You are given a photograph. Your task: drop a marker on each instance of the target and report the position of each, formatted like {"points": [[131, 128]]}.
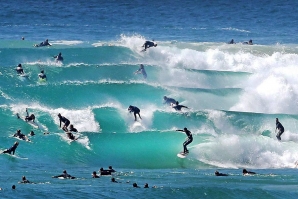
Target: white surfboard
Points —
{"points": [[182, 155]]}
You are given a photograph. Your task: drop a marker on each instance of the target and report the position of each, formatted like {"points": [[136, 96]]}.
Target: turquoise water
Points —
{"points": [[234, 93]]}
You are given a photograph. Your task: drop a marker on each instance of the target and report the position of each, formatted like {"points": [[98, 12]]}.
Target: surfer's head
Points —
{"points": [[64, 171], [20, 65], [165, 97], [185, 129]]}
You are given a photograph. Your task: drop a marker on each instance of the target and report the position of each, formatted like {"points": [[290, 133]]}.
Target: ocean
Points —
{"points": [[233, 94]]}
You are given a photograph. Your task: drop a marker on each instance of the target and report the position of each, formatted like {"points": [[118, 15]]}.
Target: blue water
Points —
{"points": [[234, 93]]}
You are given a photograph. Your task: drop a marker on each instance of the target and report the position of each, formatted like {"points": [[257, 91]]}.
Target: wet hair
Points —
{"points": [[94, 172], [13, 186], [110, 167], [42, 71], [64, 171], [165, 97], [146, 185], [23, 178], [20, 65], [113, 180], [134, 184], [185, 128]]}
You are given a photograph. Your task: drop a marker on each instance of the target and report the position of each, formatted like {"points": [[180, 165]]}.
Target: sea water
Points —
{"points": [[233, 94]]}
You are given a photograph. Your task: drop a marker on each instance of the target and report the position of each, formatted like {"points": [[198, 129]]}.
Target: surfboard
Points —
{"points": [[34, 124], [182, 155], [26, 139], [14, 156], [24, 75]]}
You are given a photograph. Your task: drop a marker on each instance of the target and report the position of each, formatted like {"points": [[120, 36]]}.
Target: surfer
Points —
{"points": [[12, 149], [188, 140], [220, 174], [245, 172], [19, 69], [104, 172], [135, 111], [94, 175], [24, 180], [168, 100], [64, 175], [72, 129], [19, 135], [58, 57], [178, 107], [232, 42], [142, 71], [111, 169], [41, 75], [146, 185], [32, 133], [29, 118], [65, 121], [280, 129], [149, 44], [249, 42], [44, 43], [135, 185], [113, 180]]}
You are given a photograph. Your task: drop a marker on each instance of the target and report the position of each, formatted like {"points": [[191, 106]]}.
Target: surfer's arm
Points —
{"points": [[180, 130]]}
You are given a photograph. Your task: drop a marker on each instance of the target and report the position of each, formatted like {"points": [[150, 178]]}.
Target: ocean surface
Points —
{"points": [[233, 93]]}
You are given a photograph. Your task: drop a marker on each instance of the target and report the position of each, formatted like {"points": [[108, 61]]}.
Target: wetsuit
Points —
{"points": [[64, 175], [64, 120], [188, 141], [148, 44], [59, 57], [42, 76], [169, 101], [19, 135], [31, 117], [20, 70], [179, 107], [280, 128], [73, 129], [135, 111], [11, 149]]}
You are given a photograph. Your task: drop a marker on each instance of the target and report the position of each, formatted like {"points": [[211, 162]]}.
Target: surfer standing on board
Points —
{"points": [[142, 71], [65, 121], [188, 140], [41, 75], [135, 111], [168, 100], [280, 128]]}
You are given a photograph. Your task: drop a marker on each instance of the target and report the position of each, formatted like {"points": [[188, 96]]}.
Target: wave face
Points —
{"points": [[234, 93]]}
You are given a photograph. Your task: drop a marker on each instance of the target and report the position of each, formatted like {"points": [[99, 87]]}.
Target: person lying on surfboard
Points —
{"points": [[178, 107], [188, 140], [19, 135], [64, 175], [12, 149], [168, 100], [19, 69], [44, 43]]}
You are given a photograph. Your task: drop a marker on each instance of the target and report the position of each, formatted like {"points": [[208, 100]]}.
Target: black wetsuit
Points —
{"points": [[19, 135], [73, 129], [20, 70], [188, 141], [11, 149], [64, 120], [148, 44], [280, 128], [64, 175], [59, 57], [179, 107], [42, 76], [169, 101]]}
